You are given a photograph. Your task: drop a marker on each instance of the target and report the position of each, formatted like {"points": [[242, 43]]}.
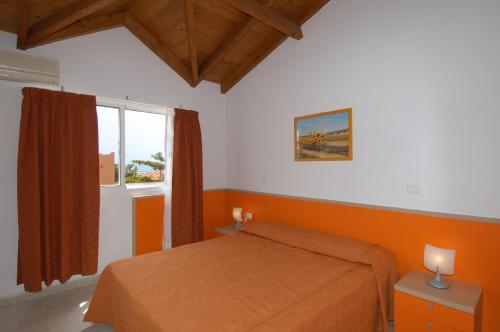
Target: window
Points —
{"points": [[144, 146], [109, 145], [131, 143]]}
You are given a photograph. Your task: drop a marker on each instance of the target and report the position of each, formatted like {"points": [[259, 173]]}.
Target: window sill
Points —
{"points": [[134, 186], [145, 189], [136, 189]]}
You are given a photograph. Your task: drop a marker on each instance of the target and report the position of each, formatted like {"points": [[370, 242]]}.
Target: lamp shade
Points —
{"points": [[237, 214], [438, 258]]}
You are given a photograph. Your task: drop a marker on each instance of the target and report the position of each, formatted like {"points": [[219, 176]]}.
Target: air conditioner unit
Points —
{"points": [[23, 68]]}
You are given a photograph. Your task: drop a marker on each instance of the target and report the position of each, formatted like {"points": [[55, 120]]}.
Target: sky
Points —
{"points": [[323, 124], [144, 133]]}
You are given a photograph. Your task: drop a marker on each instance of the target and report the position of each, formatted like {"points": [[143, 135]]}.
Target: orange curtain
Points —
{"points": [[187, 179], [58, 187]]}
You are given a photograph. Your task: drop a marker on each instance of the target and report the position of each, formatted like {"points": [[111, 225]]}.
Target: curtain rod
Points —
{"points": [[116, 100], [129, 102], [111, 100]]}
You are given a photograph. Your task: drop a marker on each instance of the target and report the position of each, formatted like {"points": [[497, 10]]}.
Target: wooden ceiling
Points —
{"points": [[214, 40]]}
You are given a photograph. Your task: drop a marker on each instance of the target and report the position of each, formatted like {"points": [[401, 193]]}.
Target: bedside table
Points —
{"points": [[227, 230], [419, 307]]}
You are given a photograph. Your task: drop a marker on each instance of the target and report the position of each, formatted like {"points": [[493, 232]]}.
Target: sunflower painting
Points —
{"points": [[324, 136]]}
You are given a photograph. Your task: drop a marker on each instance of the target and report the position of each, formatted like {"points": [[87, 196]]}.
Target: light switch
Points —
{"points": [[412, 189]]}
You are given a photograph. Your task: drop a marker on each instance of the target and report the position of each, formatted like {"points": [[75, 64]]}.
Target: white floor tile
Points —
{"points": [[60, 312]]}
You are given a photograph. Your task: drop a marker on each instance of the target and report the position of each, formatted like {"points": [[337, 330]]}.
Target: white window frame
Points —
{"points": [[122, 106]]}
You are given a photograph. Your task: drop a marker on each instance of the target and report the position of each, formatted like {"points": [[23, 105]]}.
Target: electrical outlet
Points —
{"points": [[248, 216]]}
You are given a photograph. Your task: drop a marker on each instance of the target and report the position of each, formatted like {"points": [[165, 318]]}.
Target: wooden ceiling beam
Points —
{"points": [[66, 16], [155, 45], [23, 23], [84, 27], [269, 46], [191, 37], [250, 63], [228, 44], [267, 15]]}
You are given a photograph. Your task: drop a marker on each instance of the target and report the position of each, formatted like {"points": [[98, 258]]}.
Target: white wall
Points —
{"points": [[422, 78], [111, 64]]}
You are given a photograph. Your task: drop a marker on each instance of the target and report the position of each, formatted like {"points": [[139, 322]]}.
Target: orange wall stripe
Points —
{"points": [[214, 209], [148, 214], [477, 244], [148, 224]]}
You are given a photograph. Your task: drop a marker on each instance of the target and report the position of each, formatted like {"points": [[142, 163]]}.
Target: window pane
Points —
{"points": [[144, 146], [109, 145]]}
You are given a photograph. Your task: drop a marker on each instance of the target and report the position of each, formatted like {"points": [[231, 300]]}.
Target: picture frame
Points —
{"points": [[325, 136]]}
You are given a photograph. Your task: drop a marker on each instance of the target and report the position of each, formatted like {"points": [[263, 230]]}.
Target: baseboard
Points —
{"points": [[53, 289]]}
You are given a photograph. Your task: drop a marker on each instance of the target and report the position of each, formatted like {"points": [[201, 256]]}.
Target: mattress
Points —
{"points": [[269, 277]]}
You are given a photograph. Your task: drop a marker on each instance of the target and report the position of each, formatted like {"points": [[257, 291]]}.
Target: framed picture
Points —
{"points": [[324, 136]]}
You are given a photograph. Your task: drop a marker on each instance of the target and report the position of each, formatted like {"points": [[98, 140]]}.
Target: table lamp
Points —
{"points": [[441, 261], [238, 218]]}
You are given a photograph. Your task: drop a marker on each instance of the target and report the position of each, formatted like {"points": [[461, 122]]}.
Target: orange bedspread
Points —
{"points": [[270, 277]]}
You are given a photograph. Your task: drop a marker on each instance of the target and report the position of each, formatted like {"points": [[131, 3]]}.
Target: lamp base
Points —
{"points": [[437, 282]]}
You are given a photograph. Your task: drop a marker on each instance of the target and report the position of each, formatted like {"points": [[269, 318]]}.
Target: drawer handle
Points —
{"points": [[429, 325], [430, 306]]}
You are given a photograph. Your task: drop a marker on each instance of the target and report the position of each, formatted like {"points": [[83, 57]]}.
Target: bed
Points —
{"points": [[269, 277]]}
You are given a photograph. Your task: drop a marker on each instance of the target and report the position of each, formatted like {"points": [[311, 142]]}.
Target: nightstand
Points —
{"points": [[419, 307], [227, 230]]}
